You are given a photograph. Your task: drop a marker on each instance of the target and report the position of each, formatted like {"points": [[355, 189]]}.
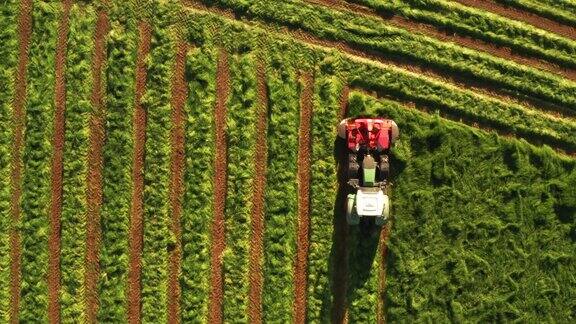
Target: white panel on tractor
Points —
{"points": [[370, 202]]}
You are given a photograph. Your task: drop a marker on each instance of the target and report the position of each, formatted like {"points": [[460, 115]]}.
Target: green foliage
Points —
{"points": [[563, 11], [323, 187], [37, 157], [281, 194], [485, 26], [371, 34], [117, 160], [488, 236], [76, 142], [241, 136], [198, 202], [8, 53], [157, 239]]}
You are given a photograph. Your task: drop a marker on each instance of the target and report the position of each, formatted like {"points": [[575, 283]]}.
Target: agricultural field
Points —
{"points": [[177, 161]]}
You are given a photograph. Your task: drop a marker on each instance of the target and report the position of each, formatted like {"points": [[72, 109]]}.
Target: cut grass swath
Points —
{"points": [[323, 187], [117, 161], [281, 195], [37, 157], [78, 109], [241, 133], [8, 51], [157, 238], [198, 205]]}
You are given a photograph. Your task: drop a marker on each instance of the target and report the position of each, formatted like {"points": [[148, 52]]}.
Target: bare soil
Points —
{"points": [[521, 15], [57, 168], [94, 178], [303, 240], [340, 238], [136, 213], [449, 36], [257, 217], [220, 182], [18, 119], [179, 95]]}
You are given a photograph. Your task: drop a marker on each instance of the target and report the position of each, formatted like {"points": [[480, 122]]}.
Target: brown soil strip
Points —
{"points": [[340, 240], [220, 188], [94, 179], [441, 75], [57, 168], [18, 119], [449, 36], [136, 213], [384, 235], [304, 177], [257, 217], [524, 16], [179, 95]]}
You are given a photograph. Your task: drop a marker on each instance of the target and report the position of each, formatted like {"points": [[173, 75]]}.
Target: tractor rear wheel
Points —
{"points": [[352, 217], [384, 167], [353, 166]]}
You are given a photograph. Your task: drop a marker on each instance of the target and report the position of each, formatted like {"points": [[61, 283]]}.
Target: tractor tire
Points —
{"points": [[380, 221], [384, 167], [353, 166], [352, 217]]}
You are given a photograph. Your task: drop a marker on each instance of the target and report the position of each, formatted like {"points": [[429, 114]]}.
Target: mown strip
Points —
{"points": [[117, 160], [198, 202], [76, 144], [37, 157], [370, 35], [559, 10], [483, 25], [8, 51], [323, 190], [241, 134], [157, 238], [281, 196]]}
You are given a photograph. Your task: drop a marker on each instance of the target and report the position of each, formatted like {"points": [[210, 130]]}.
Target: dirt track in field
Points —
{"points": [[340, 237], [384, 236], [57, 168], [220, 188], [94, 179], [448, 36], [179, 95], [136, 212], [18, 120], [524, 16], [304, 176], [257, 217]]}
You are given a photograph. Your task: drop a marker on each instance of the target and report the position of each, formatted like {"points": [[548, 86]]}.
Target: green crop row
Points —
{"points": [[483, 25], [8, 52], [78, 111], [485, 237], [241, 135], [372, 35], [405, 86], [323, 188], [281, 195], [37, 157], [495, 113], [158, 239], [563, 11], [198, 203], [117, 162]]}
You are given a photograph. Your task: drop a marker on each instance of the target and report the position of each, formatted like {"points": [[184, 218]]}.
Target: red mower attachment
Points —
{"points": [[369, 133]]}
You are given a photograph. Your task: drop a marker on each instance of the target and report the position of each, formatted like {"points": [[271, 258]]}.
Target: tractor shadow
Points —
{"points": [[353, 247]]}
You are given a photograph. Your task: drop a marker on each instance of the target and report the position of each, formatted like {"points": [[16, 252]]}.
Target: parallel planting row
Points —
{"points": [[483, 25], [563, 11]]}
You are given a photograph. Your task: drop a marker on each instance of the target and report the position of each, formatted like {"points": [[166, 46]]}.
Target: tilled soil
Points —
{"points": [[220, 179], [136, 213], [257, 217], [18, 119], [303, 240], [179, 94], [94, 179]]}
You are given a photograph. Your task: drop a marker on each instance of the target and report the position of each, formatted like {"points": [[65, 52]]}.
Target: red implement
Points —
{"points": [[370, 133]]}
